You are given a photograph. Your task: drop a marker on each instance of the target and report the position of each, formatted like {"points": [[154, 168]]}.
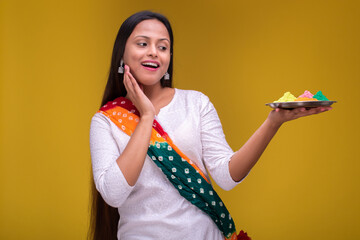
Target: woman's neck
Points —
{"points": [[159, 96], [153, 92]]}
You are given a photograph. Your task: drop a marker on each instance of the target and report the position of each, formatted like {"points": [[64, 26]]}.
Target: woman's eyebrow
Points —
{"points": [[143, 36]]}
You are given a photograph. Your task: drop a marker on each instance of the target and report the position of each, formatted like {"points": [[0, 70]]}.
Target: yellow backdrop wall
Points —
{"points": [[54, 60]]}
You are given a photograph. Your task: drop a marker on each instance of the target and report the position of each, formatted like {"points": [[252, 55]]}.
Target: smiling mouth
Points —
{"points": [[150, 65]]}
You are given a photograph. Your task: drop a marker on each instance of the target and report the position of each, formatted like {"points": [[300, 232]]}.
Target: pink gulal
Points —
{"points": [[306, 94]]}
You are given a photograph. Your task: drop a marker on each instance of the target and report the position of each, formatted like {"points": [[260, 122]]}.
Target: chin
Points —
{"points": [[149, 81]]}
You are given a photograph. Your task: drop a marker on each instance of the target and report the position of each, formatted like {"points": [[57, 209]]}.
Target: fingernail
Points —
{"points": [[322, 109], [277, 110]]}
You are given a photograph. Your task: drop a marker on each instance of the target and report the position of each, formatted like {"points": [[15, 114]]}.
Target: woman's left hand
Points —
{"points": [[246, 157], [279, 116]]}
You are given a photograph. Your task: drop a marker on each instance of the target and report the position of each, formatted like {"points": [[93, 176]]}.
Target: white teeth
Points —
{"points": [[150, 64]]}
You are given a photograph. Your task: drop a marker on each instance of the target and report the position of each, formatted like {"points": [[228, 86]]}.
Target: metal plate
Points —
{"points": [[306, 104]]}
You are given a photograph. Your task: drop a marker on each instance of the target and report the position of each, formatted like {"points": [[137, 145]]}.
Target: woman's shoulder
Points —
{"points": [[191, 99], [191, 94], [99, 119]]}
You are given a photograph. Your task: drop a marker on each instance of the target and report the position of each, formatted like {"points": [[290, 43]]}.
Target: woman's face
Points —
{"points": [[147, 52]]}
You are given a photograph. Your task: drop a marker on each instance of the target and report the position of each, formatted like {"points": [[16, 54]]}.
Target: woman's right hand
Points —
{"points": [[136, 95]]}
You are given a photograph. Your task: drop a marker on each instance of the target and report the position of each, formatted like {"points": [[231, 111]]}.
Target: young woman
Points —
{"points": [[162, 190]]}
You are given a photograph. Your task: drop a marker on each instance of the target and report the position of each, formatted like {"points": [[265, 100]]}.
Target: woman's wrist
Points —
{"points": [[147, 117], [274, 125]]}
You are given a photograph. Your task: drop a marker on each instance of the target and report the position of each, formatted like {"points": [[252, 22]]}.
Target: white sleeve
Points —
{"points": [[215, 149], [109, 180]]}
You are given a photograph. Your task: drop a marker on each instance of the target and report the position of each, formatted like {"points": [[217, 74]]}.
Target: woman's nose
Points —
{"points": [[152, 51]]}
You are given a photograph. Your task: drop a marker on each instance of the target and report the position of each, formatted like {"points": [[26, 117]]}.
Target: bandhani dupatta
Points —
{"points": [[185, 176]]}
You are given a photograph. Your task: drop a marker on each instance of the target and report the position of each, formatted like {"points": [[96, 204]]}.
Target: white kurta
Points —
{"points": [[153, 208]]}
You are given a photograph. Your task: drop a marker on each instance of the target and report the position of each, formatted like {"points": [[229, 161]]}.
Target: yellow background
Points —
{"points": [[54, 61]]}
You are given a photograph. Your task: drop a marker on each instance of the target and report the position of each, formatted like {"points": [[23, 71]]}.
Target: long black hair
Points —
{"points": [[104, 218], [115, 86]]}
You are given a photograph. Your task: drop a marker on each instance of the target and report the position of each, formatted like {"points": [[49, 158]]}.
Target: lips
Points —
{"points": [[150, 65]]}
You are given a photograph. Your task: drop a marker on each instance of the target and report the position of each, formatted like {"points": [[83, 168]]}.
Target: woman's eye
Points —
{"points": [[142, 44], [163, 48]]}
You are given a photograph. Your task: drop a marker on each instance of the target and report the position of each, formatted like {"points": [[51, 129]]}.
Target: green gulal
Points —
{"points": [[320, 96]]}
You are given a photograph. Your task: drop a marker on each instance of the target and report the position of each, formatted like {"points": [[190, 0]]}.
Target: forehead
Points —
{"points": [[152, 28]]}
